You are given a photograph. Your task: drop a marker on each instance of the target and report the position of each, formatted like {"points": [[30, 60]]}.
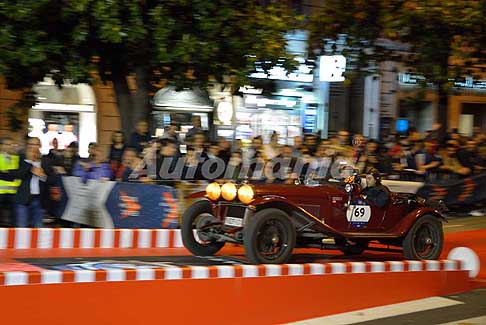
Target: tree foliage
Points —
{"points": [[188, 43], [438, 39]]}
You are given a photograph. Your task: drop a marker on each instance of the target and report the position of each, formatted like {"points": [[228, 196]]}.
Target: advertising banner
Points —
{"points": [[468, 191], [132, 205], [107, 204]]}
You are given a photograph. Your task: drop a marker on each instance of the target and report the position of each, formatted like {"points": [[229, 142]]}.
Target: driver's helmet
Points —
{"points": [[375, 173]]}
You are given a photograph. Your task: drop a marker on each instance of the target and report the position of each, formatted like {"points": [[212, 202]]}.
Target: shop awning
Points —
{"points": [[69, 97], [193, 100]]}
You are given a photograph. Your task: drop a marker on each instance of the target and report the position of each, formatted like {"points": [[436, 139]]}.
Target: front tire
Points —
{"points": [[424, 240], [193, 217], [269, 237]]}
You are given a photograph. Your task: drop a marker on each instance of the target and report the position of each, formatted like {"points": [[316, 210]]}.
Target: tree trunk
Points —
{"points": [[443, 116], [141, 100], [124, 100]]}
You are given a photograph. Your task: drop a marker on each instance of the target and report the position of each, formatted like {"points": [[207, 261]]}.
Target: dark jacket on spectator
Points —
{"points": [[138, 141], [24, 173]]}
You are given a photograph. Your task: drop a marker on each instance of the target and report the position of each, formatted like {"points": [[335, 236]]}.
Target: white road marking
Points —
{"points": [[374, 313]]}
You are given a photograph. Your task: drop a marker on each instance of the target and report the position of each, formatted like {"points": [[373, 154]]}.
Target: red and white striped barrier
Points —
{"points": [[28, 238], [224, 271]]}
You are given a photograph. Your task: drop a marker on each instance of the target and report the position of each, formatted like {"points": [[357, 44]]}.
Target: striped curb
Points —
{"points": [[223, 272], [28, 238]]}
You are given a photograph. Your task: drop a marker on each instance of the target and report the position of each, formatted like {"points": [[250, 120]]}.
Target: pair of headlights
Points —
{"points": [[229, 192]]}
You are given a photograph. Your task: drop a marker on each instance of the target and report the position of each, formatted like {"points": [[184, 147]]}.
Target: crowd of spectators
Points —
{"points": [[413, 157], [30, 183]]}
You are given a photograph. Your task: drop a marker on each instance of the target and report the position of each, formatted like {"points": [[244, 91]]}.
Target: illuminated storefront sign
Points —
{"points": [[409, 79]]}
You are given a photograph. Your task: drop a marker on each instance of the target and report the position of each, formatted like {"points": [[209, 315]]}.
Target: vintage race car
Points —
{"points": [[270, 220]]}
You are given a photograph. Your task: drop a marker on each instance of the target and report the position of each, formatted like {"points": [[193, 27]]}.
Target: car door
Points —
{"points": [[359, 215]]}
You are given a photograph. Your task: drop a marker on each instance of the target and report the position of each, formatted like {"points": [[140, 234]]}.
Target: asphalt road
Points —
{"points": [[470, 310], [461, 309], [457, 224]]}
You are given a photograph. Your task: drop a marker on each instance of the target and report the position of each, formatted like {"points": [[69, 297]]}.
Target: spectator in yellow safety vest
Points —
{"points": [[8, 160], [28, 209]]}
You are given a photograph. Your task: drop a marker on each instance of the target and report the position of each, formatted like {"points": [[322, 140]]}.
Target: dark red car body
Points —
{"points": [[326, 204], [316, 213]]}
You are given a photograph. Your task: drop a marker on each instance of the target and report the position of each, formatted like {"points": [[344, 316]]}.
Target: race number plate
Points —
{"points": [[234, 222], [359, 215]]}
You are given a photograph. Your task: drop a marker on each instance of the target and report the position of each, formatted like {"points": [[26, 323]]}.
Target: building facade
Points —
{"points": [[89, 113]]}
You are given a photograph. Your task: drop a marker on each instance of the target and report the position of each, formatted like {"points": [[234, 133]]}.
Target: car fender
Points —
{"points": [[200, 194], [404, 226]]}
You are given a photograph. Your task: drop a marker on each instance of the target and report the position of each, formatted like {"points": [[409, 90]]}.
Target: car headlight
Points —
{"points": [[213, 191], [348, 188], [246, 194], [228, 191]]}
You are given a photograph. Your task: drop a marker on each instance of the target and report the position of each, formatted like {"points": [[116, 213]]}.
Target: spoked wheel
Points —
{"points": [[354, 247], [198, 223], [424, 240], [269, 237]]}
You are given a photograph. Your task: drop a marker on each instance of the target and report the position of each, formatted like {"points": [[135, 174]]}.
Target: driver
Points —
{"points": [[373, 191]]}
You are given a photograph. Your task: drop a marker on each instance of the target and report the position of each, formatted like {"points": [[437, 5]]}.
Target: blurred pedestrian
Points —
{"points": [[343, 146], [252, 150], [224, 149], [53, 164], [480, 161], [192, 166], [234, 166], [96, 168], [467, 152], [272, 149], [131, 168], [370, 158], [323, 161], [116, 151], [70, 158], [172, 133], [197, 145], [196, 128], [298, 146], [452, 167], [429, 164], [9, 160], [141, 137], [284, 167], [167, 162], [28, 201], [310, 143]]}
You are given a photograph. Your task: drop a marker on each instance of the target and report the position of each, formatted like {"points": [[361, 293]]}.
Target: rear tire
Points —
{"points": [[424, 240], [269, 237], [189, 223]]}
